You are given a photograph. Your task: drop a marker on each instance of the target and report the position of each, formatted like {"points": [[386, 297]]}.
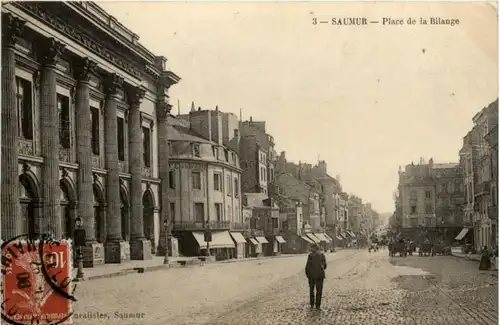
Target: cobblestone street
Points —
{"points": [[361, 288]]}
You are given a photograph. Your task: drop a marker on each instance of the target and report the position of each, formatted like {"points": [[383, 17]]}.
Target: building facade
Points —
{"points": [[257, 156], [204, 185], [81, 119], [485, 226]]}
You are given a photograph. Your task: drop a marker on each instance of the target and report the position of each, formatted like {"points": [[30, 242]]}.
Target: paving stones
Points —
{"points": [[360, 288]]}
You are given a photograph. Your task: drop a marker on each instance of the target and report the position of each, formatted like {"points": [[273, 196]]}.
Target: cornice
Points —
{"points": [[84, 39], [204, 162]]}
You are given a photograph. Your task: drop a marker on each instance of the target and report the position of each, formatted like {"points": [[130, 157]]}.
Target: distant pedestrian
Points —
{"points": [[485, 262], [315, 272]]}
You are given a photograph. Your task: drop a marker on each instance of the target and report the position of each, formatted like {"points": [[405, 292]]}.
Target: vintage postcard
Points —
{"points": [[214, 163]]}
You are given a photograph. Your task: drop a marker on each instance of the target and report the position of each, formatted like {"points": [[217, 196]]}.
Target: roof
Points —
{"points": [[178, 130], [445, 165]]}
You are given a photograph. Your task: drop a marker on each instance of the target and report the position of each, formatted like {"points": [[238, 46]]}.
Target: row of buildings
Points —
{"points": [[455, 201], [88, 134]]}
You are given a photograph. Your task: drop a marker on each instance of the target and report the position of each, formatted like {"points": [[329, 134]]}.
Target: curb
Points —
{"points": [[145, 269], [465, 257]]}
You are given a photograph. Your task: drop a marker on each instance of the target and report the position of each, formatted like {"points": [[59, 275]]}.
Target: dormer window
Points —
{"points": [[226, 155], [196, 149]]}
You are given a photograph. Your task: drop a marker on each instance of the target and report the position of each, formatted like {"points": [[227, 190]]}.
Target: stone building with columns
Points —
{"points": [[84, 107]]}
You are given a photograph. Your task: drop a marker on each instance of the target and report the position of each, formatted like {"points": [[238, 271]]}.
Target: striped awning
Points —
{"points": [[328, 237], [238, 237], [322, 237], [339, 238], [313, 238], [351, 233], [253, 241], [220, 239], [307, 239]]}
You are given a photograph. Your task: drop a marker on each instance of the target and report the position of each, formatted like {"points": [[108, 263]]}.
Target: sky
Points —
{"points": [[366, 99]]}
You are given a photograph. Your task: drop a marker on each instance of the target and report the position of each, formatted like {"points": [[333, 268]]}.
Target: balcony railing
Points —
{"points": [[96, 161], [200, 225], [256, 232], [65, 154], [25, 147], [240, 226]]}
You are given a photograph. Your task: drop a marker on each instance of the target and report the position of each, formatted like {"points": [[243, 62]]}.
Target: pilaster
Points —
{"points": [[113, 247], [50, 52], [12, 28]]}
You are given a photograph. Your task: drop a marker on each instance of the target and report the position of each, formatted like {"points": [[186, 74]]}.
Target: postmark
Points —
{"points": [[36, 276]]}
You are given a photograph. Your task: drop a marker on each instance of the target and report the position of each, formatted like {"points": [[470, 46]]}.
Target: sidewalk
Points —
{"points": [[130, 267]]}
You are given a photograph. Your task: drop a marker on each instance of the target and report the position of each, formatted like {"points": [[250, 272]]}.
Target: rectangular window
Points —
{"points": [[413, 209], [171, 179], [236, 188], [226, 155], [94, 116], [427, 194], [64, 121], [274, 223], [217, 182], [196, 176], [428, 208], [199, 212], [146, 143], [228, 185], [253, 223], [24, 108], [218, 211], [121, 138], [172, 212]]}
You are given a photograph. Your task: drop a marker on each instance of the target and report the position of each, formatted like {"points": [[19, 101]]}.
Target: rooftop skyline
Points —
{"points": [[365, 99]]}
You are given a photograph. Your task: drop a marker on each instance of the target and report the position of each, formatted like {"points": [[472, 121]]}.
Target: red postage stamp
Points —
{"points": [[34, 285]]}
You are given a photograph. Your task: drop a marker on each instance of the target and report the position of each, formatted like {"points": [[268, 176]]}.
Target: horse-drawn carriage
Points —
{"points": [[426, 249], [442, 249], [398, 247]]}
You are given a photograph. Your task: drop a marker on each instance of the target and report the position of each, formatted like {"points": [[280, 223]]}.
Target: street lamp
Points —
{"points": [[208, 236], [167, 233], [79, 236]]}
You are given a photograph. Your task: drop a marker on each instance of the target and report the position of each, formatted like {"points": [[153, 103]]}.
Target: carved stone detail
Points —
{"points": [[26, 167], [96, 161], [65, 154], [65, 173], [25, 147], [113, 84], [136, 95], [95, 177], [163, 109], [146, 171], [84, 68], [51, 51], [121, 167], [12, 28], [36, 79], [122, 182]]}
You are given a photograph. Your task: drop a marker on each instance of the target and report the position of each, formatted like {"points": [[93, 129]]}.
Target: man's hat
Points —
{"points": [[315, 246]]}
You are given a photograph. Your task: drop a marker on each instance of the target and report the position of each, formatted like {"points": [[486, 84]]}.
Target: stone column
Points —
{"points": [[162, 111], [114, 246], [140, 248], [84, 67], [12, 28], [50, 52]]}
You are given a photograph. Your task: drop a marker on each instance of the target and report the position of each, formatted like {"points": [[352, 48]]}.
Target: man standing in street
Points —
{"points": [[315, 272]]}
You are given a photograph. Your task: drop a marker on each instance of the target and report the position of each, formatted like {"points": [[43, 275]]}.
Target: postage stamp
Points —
{"points": [[36, 282]]}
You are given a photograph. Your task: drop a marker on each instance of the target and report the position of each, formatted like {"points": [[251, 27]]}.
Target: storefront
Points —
{"points": [[240, 243]]}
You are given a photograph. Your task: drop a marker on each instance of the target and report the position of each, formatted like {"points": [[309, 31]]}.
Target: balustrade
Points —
{"points": [[25, 147]]}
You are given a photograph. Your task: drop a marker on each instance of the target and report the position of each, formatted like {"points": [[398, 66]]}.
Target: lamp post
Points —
{"points": [[166, 225], [79, 236], [208, 236]]}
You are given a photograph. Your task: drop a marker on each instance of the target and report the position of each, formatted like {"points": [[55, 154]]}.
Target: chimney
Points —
{"points": [[192, 107], [250, 119], [337, 178]]}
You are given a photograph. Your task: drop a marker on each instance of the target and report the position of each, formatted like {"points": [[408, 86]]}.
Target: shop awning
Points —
{"points": [[351, 234], [322, 237], [262, 240], [328, 237], [307, 239], [280, 239], [462, 234], [313, 238], [339, 238], [220, 239], [253, 241], [238, 237]]}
